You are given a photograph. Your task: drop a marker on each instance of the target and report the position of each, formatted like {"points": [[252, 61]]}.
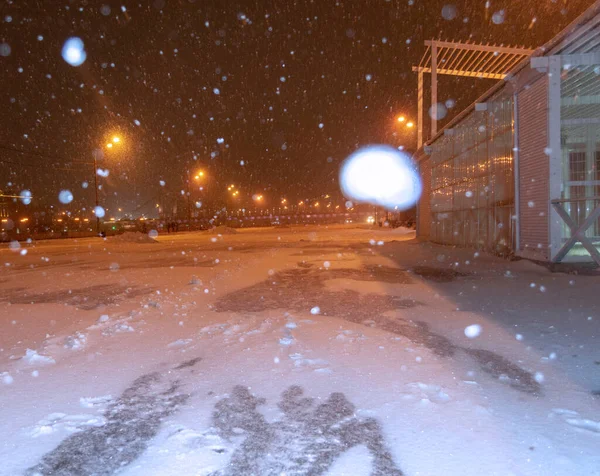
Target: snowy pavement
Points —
{"points": [[297, 351]]}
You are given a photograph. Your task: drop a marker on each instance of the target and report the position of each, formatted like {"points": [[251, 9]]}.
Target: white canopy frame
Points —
{"points": [[461, 59]]}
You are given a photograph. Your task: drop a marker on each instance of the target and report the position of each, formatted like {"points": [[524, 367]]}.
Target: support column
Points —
{"points": [[554, 154], [516, 176], [434, 97], [420, 110]]}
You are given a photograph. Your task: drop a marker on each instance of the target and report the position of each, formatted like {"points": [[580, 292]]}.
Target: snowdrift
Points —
{"points": [[131, 237]]}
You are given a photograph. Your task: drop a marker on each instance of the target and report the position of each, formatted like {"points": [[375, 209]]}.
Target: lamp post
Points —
{"points": [[95, 154], [115, 140], [199, 176]]}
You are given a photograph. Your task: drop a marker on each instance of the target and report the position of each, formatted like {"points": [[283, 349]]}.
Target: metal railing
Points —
{"points": [[582, 217]]}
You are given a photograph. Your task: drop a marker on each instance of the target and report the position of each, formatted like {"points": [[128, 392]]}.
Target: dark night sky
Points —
{"points": [[282, 68]]}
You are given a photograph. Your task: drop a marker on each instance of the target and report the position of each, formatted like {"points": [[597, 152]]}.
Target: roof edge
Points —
{"points": [[545, 49]]}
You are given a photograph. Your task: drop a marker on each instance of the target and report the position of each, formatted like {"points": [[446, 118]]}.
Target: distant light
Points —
{"points": [[73, 51], [381, 175], [401, 119], [410, 124], [109, 145], [116, 139]]}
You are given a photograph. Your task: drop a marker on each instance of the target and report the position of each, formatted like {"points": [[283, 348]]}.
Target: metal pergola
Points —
{"points": [[461, 59]]}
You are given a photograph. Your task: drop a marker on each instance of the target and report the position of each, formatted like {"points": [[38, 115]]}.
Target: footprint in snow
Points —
{"points": [[318, 365], [573, 418], [428, 393]]}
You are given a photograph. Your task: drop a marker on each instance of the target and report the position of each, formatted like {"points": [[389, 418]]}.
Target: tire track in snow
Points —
{"points": [[305, 442], [131, 422], [292, 289]]}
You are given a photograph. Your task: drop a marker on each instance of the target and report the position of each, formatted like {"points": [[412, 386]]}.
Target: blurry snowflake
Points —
{"points": [[449, 12], [498, 17]]}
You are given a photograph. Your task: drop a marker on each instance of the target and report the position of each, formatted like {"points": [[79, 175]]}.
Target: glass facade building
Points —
{"points": [[519, 171], [472, 184]]}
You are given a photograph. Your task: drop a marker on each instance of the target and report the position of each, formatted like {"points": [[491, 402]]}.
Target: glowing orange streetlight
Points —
{"points": [[401, 119], [109, 145], [410, 124]]}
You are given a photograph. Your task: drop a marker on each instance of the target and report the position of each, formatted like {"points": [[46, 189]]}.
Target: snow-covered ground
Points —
{"points": [[297, 351]]}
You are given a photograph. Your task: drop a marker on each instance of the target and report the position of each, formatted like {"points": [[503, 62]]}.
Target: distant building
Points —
{"points": [[518, 172]]}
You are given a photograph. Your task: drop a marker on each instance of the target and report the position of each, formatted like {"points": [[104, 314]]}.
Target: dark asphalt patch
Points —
{"points": [[131, 422], [168, 262], [304, 264], [306, 441], [302, 288], [317, 252], [503, 369], [438, 275], [88, 298], [188, 363], [382, 274]]}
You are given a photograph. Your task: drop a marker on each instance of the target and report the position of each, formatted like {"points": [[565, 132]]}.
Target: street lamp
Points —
{"points": [[116, 140], [401, 119], [199, 176]]}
